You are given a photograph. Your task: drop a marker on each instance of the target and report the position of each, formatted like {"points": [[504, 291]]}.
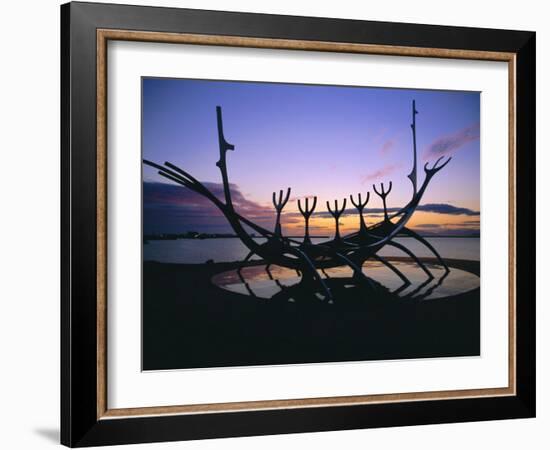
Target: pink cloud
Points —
{"points": [[380, 173], [451, 142], [387, 147]]}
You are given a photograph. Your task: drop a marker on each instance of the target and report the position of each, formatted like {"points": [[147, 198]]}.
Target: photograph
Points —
{"points": [[287, 223], [281, 222]]}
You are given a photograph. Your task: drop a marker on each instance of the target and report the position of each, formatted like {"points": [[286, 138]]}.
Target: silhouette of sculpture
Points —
{"points": [[360, 206], [307, 212], [336, 213], [279, 205], [308, 258], [383, 194]]}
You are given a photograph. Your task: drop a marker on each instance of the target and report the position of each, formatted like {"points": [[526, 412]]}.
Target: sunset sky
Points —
{"points": [[328, 141]]}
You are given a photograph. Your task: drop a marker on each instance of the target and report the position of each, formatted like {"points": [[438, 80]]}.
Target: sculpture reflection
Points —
{"points": [[280, 284]]}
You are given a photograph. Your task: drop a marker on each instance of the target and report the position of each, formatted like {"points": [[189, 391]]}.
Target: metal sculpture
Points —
{"points": [[360, 206], [308, 258], [337, 213], [306, 213], [279, 205]]}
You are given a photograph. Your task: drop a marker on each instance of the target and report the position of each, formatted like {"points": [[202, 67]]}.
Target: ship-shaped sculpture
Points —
{"points": [[309, 258]]}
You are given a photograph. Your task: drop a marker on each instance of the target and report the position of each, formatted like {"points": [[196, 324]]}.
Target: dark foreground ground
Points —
{"points": [[188, 322]]}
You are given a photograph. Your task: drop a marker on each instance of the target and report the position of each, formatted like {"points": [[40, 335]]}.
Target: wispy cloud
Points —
{"points": [[452, 142], [380, 173], [387, 147]]}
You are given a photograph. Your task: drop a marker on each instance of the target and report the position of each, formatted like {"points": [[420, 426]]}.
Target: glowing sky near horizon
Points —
{"points": [[328, 141]]}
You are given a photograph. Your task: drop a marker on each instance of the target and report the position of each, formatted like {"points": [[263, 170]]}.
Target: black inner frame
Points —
{"points": [[79, 423]]}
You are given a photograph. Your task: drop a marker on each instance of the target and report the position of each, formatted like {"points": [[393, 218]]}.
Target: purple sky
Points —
{"points": [[329, 141]]}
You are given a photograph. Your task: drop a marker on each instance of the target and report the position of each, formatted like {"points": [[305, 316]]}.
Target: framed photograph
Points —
{"points": [[276, 224]]}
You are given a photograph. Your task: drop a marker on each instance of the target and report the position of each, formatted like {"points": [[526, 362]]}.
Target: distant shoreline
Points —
{"points": [[174, 237]]}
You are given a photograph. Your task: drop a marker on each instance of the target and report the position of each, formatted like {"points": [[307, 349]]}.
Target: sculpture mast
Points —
{"points": [[224, 147], [412, 175]]}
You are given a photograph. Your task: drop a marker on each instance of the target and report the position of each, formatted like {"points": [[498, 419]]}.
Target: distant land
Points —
{"points": [[198, 235]]}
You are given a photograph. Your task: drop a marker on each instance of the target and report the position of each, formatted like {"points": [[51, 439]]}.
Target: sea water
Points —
{"points": [[197, 251]]}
